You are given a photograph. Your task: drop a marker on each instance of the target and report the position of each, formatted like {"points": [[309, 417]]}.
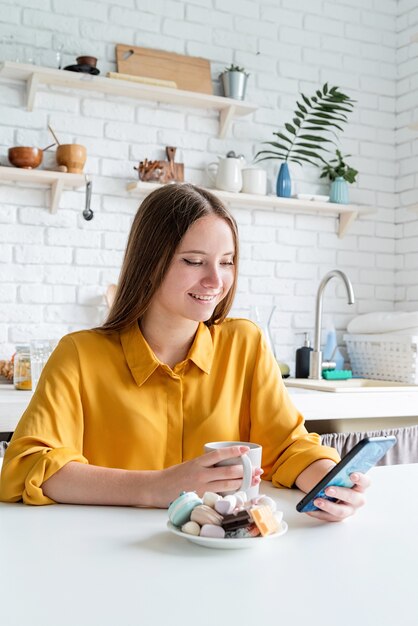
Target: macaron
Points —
{"points": [[203, 514], [181, 508]]}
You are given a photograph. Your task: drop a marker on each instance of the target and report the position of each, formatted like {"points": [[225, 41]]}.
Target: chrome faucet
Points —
{"points": [[315, 357]]}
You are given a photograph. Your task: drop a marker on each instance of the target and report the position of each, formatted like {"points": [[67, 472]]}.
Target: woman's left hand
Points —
{"points": [[348, 500]]}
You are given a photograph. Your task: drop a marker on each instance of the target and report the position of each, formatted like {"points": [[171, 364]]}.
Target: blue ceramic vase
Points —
{"points": [[284, 183], [339, 191]]}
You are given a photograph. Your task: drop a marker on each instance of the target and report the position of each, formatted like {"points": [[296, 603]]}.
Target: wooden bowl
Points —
{"points": [[27, 158], [73, 156], [87, 61]]}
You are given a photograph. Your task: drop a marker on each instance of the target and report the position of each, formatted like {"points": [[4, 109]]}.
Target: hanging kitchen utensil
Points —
{"points": [[88, 213], [162, 171]]}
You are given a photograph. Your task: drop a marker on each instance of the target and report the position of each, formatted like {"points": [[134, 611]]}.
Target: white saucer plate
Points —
{"points": [[227, 544]]}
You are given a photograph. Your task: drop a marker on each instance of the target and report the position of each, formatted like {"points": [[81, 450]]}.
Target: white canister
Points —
{"points": [[254, 180]]}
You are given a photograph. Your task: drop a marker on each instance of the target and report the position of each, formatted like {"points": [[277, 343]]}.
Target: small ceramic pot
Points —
{"points": [[24, 157], [73, 156], [86, 60]]}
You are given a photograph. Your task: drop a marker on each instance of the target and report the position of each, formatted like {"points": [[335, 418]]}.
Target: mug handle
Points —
{"points": [[209, 172], [248, 472]]}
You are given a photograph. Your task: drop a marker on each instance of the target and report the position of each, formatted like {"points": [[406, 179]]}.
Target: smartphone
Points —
{"points": [[365, 454]]}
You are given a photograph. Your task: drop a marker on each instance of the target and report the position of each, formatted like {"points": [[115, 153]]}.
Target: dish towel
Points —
{"points": [[399, 322], [404, 451]]}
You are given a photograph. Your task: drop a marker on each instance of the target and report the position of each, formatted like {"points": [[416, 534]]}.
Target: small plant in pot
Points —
{"points": [[340, 174], [234, 82], [316, 120]]}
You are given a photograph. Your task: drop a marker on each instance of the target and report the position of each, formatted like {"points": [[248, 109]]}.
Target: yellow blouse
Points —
{"points": [[107, 400]]}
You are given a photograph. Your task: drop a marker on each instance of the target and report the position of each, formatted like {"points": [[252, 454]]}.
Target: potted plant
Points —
{"points": [[340, 174], [234, 82], [316, 119]]}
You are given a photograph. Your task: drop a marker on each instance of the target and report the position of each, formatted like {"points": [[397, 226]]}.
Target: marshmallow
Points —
{"points": [[226, 505], [210, 498], [209, 530], [265, 501], [191, 528], [241, 498]]}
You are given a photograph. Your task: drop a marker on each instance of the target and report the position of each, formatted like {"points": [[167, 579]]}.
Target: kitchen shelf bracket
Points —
{"points": [[344, 222], [31, 88], [57, 181], [56, 189], [225, 118]]}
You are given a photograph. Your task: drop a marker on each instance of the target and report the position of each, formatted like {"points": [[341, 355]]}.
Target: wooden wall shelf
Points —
{"points": [[34, 76], [57, 181], [347, 212]]}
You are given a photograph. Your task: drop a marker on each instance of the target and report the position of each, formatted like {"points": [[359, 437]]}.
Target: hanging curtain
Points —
{"points": [[405, 450]]}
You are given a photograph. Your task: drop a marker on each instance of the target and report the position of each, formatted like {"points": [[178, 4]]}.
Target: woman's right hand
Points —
{"points": [[201, 475]]}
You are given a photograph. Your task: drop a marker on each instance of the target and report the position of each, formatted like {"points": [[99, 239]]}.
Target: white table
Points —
{"points": [[112, 566]]}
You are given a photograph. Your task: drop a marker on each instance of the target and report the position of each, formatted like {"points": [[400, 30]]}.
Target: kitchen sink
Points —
{"points": [[352, 385]]}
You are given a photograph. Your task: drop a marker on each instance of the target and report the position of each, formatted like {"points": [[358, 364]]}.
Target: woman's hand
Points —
{"points": [[348, 500], [201, 475]]}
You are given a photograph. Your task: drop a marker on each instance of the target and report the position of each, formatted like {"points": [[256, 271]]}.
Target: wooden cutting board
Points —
{"points": [[189, 73]]}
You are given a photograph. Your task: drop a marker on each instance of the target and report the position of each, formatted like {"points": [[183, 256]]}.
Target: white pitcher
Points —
{"points": [[226, 174]]}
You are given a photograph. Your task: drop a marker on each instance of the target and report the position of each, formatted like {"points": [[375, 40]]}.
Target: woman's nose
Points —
{"points": [[212, 277]]}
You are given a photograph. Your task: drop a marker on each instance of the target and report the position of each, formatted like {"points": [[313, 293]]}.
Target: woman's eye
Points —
{"points": [[227, 263], [188, 262]]}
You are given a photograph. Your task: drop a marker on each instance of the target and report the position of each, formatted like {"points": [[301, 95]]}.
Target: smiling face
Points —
{"points": [[200, 274]]}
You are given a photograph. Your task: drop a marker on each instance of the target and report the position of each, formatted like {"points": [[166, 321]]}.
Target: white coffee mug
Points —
{"points": [[250, 460], [254, 180]]}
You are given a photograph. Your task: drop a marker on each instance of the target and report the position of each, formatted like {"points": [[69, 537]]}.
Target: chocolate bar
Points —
{"points": [[234, 521]]}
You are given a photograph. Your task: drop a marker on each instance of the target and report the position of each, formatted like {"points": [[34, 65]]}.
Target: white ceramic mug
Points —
{"points": [[227, 175], [250, 460], [254, 180]]}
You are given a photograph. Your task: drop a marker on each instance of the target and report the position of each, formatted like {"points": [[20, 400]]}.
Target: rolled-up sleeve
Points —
{"points": [[276, 423], [50, 432]]}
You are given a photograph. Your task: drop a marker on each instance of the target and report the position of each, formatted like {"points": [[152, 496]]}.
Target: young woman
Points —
{"points": [[121, 413]]}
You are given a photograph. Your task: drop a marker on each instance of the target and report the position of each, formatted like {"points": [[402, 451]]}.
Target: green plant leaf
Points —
{"points": [[275, 144], [268, 158], [300, 158], [315, 138], [290, 128], [301, 108], [311, 146], [327, 116], [322, 124], [306, 100], [283, 137], [325, 89], [296, 122], [300, 115]]}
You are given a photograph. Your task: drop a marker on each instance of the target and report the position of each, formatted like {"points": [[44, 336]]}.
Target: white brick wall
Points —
{"points": [[54, 269], [406, 144]]}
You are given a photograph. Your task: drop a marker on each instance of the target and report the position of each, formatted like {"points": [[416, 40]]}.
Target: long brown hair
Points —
{"points": [[158, 227]]}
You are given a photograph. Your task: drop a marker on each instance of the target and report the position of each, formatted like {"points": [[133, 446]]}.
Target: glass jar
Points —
{"points": [[22, 378]]}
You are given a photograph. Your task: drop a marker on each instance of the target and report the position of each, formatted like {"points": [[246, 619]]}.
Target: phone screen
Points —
{"points": [[365, 454]]}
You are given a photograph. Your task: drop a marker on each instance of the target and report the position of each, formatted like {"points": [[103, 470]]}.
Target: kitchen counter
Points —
{"points": [[328, 412], [112, 565]]}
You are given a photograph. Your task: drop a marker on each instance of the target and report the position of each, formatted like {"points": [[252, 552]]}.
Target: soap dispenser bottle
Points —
{"points": [[302, 359]]}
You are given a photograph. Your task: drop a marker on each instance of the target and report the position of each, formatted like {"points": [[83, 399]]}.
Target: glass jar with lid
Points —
{"points": [[22, 378]]}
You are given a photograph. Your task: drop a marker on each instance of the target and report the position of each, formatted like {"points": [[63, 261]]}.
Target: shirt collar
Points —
{"points": [[142, 361]]}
